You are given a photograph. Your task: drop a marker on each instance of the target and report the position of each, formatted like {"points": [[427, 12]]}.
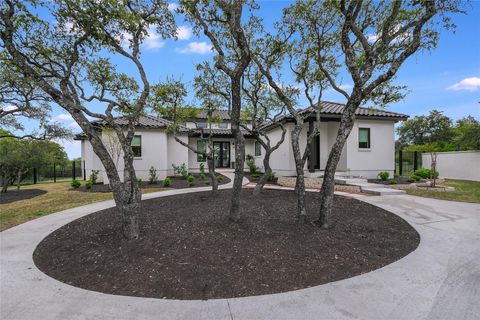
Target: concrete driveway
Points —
{"points": [[439, 280]]}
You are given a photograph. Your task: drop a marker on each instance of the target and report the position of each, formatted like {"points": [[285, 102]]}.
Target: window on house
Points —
{"points": [[201, 148], [137, 146], [364, 138], [202, 124], [258, 149], [223, 125]]}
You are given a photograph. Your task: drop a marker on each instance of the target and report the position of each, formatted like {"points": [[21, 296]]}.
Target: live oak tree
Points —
{"points": [[262, 108], [373, 40], [221, 21], [270, 53], [68, 59], [20, 99], [168, 100]]}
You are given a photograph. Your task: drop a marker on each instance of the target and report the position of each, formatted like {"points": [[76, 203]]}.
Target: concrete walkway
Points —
{"points": [[439, 280]]}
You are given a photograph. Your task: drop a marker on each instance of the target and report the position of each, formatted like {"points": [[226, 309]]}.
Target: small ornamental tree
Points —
{"points": [[66, 60], [168, 100], [261, 108], [224, 24]]}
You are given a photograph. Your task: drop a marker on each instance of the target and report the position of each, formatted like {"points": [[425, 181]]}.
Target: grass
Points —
{"points": [[465, 191], [59, 197]]}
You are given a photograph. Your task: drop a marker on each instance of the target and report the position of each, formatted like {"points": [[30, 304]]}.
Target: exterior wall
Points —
{"points": [[176, 153], [464, 165], [91, 161], [353, 161], [154, 153], [381, 154]]}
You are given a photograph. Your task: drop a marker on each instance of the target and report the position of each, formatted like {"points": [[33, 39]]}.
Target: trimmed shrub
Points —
{"points": [[392, 181], [415, 177], [191, 180], [410, 180], [202, 169], [75, 184], [167, 182], [384, 175], [271, 176], [88, 184], [181, 170], [219, 178], [425, 173], [94, 176], [251, 164], [152, 175], [202, 176]]}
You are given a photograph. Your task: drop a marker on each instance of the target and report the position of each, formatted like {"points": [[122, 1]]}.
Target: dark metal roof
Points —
{"points": [[143, 121], [216, 132], [222, 114], [334, 108]]}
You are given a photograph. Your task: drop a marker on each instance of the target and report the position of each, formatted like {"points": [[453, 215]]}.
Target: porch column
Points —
{"points": [[311, 164]]}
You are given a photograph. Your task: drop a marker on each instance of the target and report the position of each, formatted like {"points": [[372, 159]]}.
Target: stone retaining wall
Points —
{"points": [[314, 183]]}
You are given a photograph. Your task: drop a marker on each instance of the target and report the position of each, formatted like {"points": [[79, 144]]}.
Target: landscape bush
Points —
{"points": [[167, 182], [202, 168], [88, 184], [219, 178], [251, 164], [94, 176], [392, 181], [202, 176], [415, 177], [425, 173], [271, 176], [384, 175], [140, 182], [152, 175], [191, 180], [181, 170], [75, 184]]}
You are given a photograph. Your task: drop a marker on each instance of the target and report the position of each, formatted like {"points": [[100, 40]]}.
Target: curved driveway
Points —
{"points": [[439, 280]]}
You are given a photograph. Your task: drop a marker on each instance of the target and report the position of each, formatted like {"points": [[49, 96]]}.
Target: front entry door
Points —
{"points": [[221, 152]]}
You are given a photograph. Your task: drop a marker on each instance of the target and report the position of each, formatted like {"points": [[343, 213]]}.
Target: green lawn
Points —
{"points": [[59, 197], [465, 191]]}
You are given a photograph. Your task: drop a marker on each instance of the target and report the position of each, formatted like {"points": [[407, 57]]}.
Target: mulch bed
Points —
{"points": [[177, 183], [189, 249], [257, 179], [14, 195], [399, 180]]}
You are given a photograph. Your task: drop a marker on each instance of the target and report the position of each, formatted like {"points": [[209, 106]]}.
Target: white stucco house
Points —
{"points": [[370, 148]]}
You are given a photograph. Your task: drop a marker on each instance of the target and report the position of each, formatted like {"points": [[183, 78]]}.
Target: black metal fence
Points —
{"points": [[55, 172], [406, 162]]}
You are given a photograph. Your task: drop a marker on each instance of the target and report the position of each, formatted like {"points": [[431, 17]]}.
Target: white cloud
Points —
{"points": [[469, 84], [63, 117], [153, 39], [196, 47], [345, 87], [9, 108], [172, 6], [184, 33], [74, 126]]}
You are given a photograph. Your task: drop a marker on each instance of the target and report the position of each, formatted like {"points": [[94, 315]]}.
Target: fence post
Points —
{"points": [[415, 161], [54, 173], [34, 175], [73, 170], [400, 162], [84, 171]]}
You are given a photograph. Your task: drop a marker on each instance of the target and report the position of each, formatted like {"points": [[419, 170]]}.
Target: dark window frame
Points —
{"points": [[137, 150], [259, 149], [200, 156], [364, 145]]}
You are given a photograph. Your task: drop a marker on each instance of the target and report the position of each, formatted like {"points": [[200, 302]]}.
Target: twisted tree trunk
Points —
{"points": [[266, 170], [300, 181], [328, 186], [211, 173]]}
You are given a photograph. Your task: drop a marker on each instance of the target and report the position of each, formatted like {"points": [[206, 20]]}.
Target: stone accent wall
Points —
{"points": [[314, 183]]}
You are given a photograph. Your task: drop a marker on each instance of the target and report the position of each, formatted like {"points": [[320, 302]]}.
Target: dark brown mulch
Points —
{"points": [[256, 179], [189, 250], [177, 183], [14, 195]]}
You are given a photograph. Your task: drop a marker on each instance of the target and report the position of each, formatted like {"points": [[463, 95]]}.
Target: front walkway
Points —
{"points": [[440, 280]]}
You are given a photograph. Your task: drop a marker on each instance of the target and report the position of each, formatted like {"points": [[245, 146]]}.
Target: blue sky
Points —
{"points": [[447, 78]]}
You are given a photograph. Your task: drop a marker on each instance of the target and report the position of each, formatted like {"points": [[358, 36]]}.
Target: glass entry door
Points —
{"points": [[221, 152]]}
